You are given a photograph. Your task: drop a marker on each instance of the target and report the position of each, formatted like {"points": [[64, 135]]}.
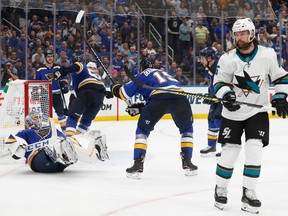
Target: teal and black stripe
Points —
{"points": [[252, 171], [224, 172]]}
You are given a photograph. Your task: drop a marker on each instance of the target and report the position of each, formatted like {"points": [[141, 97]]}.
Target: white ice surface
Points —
{"points": [[102, 188]]}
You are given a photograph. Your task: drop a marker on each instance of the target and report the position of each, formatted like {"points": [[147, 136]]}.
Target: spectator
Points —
{"points": [[20, 69], [182, 79], [64, 48], [202, 36], [32, 74], [172, 69], [218, 31], [117, 63], [9, 72], [133, 54], [173, 31], [150, 48], [39, 52], [102, 73], [13, 40], [185, 32]]}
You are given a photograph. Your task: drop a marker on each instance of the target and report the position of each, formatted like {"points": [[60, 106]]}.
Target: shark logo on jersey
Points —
{"points": [[247, 84]]}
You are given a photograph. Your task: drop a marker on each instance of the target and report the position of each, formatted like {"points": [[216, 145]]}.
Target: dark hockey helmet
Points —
{"points": [[49, 52], [33, 120], [76, 58], [146, 63], [208, 51]]}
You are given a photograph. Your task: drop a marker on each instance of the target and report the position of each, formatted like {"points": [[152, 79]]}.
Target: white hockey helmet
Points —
{"points": [[92, 66], [33, 120], [243, 25]]}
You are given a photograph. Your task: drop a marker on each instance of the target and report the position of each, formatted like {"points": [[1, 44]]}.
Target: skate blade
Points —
{"points": [[219, 205], [135, 175], [189, 172], [210, 154], [251, 209]]}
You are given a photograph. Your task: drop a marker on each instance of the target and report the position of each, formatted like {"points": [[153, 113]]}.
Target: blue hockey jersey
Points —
{"points": [[41, 74], [151, 77], [84, 78], [35, 138]]}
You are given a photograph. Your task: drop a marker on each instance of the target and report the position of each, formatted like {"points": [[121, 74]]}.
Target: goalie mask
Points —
{"points": [[33, 120]]}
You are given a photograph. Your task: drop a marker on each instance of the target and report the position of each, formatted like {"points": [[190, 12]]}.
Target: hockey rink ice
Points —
{"points": [[102, 188]]}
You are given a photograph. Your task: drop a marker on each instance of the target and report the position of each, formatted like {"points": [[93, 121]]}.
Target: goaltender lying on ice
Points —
{"points": [[48, 150]]}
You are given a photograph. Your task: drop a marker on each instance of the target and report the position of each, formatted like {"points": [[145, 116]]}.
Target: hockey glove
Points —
{"points": [[64, 86], [109, 94], [279, 101], [115, 88], [135, 109], [230, 97]]}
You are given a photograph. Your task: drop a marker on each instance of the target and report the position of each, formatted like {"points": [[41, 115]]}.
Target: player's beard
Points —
{"points": [[243, 45]]}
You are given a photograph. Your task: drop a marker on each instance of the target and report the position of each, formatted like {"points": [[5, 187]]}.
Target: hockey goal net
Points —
{"points": [[21, 98]]}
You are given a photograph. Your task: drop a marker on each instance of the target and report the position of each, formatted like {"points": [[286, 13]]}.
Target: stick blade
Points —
{"points": [[79, 16]]}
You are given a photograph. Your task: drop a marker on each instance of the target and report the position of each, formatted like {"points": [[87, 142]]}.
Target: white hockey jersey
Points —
{"points": [[250, 79]]}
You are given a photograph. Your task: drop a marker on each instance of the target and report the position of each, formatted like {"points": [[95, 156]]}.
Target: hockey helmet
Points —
{"points": [[76, 58], [146, 63], [208, 52], [49, 52], [92, 66], [243, 25], [33, 120]]}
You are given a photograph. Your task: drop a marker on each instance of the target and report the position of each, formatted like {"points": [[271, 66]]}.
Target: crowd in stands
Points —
{"points": [[192, 26]]}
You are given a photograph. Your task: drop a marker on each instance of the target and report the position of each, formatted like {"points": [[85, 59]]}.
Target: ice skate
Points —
{"points": [[189, 168], [208, 151], [220, 197], [250, 202], [136, 169]]}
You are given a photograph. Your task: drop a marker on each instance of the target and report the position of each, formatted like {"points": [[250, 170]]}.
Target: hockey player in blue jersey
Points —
{"points": [[90, 92], [157, 104], [47, 150], [42, 74], [209, 61]]}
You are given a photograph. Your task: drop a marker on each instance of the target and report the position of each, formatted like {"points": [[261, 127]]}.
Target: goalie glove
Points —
{"points": [[135, 109]]}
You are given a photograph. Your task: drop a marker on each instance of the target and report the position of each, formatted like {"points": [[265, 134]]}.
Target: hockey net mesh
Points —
{"points": [[21, 98]]}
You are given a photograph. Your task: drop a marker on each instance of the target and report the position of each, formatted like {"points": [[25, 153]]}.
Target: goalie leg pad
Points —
{"points": [[101, 147]]}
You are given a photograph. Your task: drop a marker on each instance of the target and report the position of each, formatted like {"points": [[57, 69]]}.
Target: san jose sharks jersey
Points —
{"points": [[41, 74], [250, 79], [35, 138], [151, 77]]}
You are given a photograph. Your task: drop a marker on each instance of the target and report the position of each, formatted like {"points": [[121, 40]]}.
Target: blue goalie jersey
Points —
{"points": [[35, 138], [150, 77]]}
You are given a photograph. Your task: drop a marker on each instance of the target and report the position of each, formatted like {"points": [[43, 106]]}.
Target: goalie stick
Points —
{"points": [[183, 93]]}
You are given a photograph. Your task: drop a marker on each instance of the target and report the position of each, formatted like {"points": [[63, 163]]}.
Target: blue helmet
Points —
{"points": [[146, 63], [208, 51]]}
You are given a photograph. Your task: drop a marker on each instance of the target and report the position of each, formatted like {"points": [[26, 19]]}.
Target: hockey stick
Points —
{"points": [[77, 24], [183, 93], [65, 111]]}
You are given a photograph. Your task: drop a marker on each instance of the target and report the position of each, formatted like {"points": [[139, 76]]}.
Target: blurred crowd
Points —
{"points": [[192, 26]]}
